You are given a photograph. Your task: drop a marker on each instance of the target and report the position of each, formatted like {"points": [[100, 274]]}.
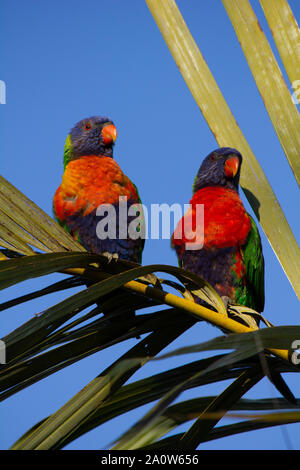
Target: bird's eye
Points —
{"points": [[212, 158], [87, 126]]}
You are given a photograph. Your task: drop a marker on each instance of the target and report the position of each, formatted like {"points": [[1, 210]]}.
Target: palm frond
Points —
{"points": [[53, 339], [268, 77], [286, 34], [20, 217]]}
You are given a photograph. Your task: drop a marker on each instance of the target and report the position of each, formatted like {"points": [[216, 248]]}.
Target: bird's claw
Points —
{"points": [[226, 300], [110, 256]]}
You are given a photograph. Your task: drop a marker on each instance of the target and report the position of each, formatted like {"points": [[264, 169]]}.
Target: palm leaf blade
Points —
{"points": [[266, 72], [35, 221], [286, 34]]}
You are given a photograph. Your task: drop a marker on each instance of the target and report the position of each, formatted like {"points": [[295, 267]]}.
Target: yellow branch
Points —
{"points": [[172, 300]]}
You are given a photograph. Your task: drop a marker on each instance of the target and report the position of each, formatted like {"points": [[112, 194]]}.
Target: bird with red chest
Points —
{"points": [[230, 258], [92, 178]]}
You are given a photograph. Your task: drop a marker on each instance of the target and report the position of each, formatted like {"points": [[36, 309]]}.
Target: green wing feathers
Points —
{"points": [[255, 268]]}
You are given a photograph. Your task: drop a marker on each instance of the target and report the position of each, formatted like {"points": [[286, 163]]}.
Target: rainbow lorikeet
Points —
{"points": [[92, 179], [231, 258]]}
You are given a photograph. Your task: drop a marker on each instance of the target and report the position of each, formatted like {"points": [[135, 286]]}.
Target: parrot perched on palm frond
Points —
{"points": [[228, 251], [92, 178], [231, 258]]}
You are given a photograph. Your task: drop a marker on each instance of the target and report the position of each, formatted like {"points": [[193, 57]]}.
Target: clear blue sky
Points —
{"points": [[65, 60]]}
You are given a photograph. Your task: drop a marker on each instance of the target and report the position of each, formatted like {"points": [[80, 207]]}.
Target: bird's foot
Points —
{"points": [[110, 256], [226, 300]]}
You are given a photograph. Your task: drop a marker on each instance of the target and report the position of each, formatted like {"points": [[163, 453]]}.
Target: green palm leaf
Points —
{"points": [[53, 340]]}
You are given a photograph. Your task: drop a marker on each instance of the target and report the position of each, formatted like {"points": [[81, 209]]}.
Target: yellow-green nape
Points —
{"points": [[194, 183], [68, 143], [67, 150]]}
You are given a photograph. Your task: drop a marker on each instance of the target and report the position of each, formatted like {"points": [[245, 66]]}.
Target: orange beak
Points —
{"points": [[109, 134], [231, 167]]}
